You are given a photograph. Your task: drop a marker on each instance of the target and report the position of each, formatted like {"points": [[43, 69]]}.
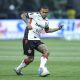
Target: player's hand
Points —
{"points": [[29, 26], [61, 26]]}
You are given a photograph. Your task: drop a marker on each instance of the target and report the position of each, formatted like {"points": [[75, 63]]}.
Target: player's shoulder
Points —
{"points": [[31, 13], [46, 19], [34, 14], [37, 14]]}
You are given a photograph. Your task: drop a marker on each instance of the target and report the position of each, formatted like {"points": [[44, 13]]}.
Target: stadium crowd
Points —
{"points": [[61, 9]]}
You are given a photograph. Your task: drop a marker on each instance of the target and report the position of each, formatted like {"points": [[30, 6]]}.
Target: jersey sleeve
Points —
{"points": [[30, 15]]}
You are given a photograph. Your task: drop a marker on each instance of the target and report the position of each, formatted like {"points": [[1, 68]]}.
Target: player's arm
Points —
{"points": [[48, 30], [24, 16]]}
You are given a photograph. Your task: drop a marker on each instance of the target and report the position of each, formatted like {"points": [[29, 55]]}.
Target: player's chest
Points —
{"points": [[37, 29]]}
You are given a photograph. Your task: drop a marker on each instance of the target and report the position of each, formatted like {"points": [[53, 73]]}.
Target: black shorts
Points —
{"points": [[30, 45]]}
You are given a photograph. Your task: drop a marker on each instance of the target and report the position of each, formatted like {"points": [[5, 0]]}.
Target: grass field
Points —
{"points": [[63, 63]]}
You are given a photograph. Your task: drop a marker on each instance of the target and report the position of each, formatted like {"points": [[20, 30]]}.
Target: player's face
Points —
{"points": [[44, 12]]}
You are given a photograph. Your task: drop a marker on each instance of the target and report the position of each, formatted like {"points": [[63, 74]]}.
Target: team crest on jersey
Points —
{"points": [[29, 50]]}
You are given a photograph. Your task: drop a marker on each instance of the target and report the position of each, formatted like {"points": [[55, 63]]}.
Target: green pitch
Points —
{"points": [[63, 63]]}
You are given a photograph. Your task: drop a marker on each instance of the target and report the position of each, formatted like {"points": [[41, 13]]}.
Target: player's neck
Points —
{"points": [[42, 16]]}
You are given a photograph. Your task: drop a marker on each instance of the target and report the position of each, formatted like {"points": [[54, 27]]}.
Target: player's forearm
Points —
{"points": [[23, 16], [53, 30]]}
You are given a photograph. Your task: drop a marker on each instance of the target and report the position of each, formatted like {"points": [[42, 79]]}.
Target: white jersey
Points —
{"points": [[38, 24]]}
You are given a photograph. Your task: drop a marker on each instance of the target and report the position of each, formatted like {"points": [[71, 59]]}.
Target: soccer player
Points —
{"points": [[31, 40]]}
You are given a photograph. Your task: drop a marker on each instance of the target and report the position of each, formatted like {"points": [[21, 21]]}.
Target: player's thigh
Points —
{"points": [[43, 48], [27, 48]]}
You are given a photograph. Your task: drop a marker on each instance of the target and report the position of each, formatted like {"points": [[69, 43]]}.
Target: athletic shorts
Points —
{"points": [[30, 45]]}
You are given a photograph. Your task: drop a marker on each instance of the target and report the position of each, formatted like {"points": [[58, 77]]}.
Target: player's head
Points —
{"points": [[44, 11]]}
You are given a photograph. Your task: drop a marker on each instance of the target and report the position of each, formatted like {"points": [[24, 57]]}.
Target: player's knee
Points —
{"points": [[31, 58], [45, 55], [46, 52]]}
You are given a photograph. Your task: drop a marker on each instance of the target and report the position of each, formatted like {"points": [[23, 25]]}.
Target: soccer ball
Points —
{"points": [[43, 72]]}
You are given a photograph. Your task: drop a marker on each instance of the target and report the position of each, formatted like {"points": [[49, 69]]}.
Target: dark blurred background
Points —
{"points": [[59, 9]]}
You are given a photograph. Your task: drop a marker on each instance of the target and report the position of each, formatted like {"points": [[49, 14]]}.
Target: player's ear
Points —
{"points": [[40, 10]]}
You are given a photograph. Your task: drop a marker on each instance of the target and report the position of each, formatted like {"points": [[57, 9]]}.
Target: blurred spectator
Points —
{"points": [[1, 5], [51, 15], [3, 10], [71, 13], [9, 8], [76, 5], [37, 4], [28, 5], [60, 8], [12, 8]]}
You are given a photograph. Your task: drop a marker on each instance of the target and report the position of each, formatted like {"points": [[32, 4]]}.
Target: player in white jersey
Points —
{"points": [[38, 24], [31, 41]]}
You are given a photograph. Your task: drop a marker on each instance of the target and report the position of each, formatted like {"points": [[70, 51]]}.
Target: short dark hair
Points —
{"points": [[44, 7]]}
